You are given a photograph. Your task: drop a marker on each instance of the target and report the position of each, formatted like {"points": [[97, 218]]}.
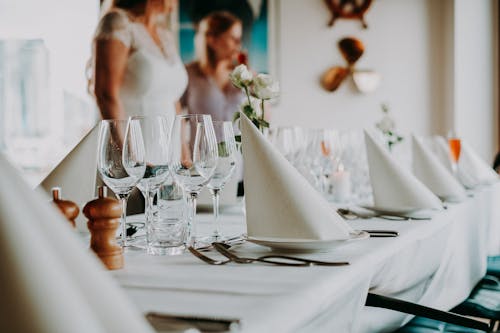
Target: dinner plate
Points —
{"points": [[308, 245]]}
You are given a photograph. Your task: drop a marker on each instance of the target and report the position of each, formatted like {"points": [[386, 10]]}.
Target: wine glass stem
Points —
{"points": [[454, 168], [191, 234], [215, 199], [150, 195], [123, 200]]}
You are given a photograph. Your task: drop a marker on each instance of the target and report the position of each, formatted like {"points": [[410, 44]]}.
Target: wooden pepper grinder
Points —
{"points": [[69, 209], [104, 218]]}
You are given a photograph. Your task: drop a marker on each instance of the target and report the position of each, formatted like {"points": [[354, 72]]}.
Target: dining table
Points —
{"points": [[434, 262]]}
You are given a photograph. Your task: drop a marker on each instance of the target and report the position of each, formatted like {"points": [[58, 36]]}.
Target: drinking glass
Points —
{"points": [[454, 144], [283, 139], [155, 132], [226, 164], [169, 226], [120, 161], [193, 159]]}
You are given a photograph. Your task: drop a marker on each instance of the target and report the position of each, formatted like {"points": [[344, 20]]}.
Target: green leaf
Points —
{"points": [[263, 123], [236, 116], [248, 111], [237, 138], [222, 149]]}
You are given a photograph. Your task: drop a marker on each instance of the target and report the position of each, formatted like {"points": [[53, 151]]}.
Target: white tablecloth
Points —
{"points": [[434, 262]]}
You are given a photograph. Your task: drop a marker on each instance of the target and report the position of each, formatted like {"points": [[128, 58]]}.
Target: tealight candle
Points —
{"points": [[341, 183]]}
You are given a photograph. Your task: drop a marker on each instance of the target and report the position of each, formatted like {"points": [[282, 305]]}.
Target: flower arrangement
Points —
{"points": [[388, 128], [258, 89]]}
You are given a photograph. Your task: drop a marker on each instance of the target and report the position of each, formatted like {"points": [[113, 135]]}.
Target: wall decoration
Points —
{"points": [[365, 80], [348, 9]]}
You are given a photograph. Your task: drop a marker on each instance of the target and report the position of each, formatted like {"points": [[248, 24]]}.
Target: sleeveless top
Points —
{"points": [[204, 96], [155, 77]]}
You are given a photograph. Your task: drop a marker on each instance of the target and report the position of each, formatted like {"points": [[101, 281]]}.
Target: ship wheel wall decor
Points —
{"points": [[348, 9]]}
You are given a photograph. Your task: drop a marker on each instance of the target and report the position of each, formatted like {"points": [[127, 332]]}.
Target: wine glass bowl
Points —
{"points": [[225, 167], [120, 161], [193, 158], [454, 145], [155, 132]]}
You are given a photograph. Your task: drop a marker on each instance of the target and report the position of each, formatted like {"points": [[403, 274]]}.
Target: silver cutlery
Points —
{"points": [[236, 240], [274, 259], [348, 214], [206, 259], [382, 233]]}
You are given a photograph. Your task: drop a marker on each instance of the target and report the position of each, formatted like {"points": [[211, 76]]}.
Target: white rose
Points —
{"points": [[386, 124], [254, 104], [241, 77], [264, 87]]}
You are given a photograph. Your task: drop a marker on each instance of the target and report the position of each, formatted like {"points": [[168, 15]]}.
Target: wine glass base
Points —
{"points": [[133, 244]]}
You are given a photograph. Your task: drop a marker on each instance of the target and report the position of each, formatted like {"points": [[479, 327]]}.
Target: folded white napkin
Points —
{"points": [[76, 174], [50, 281], [471, 163], [395, 187], [280, 202], [472, 170], [429, 170]]}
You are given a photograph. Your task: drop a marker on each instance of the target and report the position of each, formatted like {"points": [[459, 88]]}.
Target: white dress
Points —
{"points": [[155, 77]]}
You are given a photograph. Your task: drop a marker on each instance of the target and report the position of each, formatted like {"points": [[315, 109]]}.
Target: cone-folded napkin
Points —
{"points": [[77, 173], [49, 280], [472, 170], [395, 187], [280, 202], [433, 174]]}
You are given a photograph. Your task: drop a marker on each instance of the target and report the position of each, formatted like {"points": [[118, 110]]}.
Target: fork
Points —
{"points": [[238, 260], [273, 259], [206, 259]]}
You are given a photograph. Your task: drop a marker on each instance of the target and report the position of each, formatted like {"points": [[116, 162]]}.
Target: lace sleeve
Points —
{"points": [[114, 25]]}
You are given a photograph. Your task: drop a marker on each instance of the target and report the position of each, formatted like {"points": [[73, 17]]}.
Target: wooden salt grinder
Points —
{"points": [[104, 218], [69, 209]]}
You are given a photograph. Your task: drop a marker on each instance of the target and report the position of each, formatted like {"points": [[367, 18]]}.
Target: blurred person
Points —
{"points": [[136, 69], [218, 52], [136, 66]]}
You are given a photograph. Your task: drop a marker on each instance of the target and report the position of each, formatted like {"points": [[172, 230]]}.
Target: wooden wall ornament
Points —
{"points": [[365, 80], [348, 9]]}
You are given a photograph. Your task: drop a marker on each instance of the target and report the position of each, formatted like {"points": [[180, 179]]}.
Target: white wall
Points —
{"points": [[408, 43], [475, 74]]}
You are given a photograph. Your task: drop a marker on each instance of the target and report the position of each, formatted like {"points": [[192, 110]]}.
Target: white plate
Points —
{"points": [[308, 245]]}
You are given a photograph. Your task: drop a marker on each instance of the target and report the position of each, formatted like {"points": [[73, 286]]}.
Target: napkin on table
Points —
{"points": [[280, 202], [76, 174], [429, 170], [49, 281], [472, 170], [395, 187]]}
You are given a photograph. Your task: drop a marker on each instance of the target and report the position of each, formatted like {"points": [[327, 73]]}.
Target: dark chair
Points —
{"points": [[494, 266], [428, 320], [484, 301]]}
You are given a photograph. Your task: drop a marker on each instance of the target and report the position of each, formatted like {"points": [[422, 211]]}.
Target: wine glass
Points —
{"points": [[193, 159], [454, 144], [120, 161], [155, 132], [226, 164]]}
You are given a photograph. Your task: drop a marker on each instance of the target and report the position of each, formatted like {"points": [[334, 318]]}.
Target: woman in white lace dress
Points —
{"points": [[137, 69]]}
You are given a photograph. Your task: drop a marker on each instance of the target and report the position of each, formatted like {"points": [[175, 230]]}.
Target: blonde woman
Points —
{"points": [[217, 46], [137, 69]]}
